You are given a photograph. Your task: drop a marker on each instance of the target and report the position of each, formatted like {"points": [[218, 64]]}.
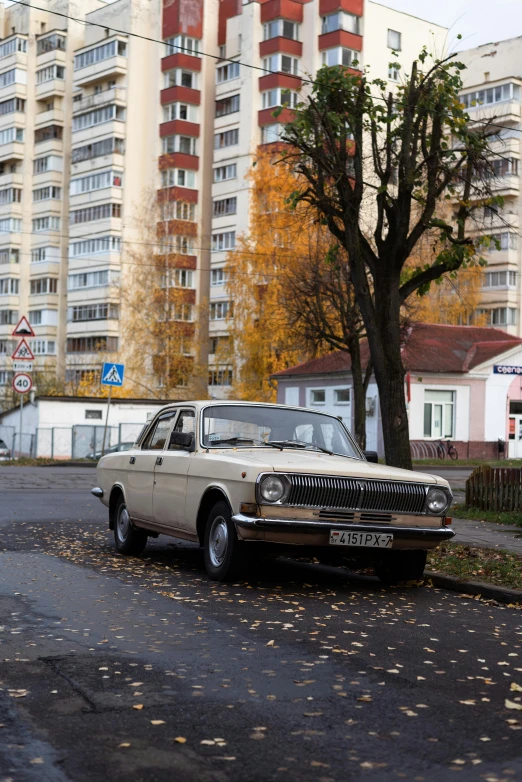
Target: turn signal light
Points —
{"points": [[447, 521], [248, 507]]}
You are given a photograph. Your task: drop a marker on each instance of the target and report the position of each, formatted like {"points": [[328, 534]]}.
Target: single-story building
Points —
{"points": [[463, 383], [65, 427]]}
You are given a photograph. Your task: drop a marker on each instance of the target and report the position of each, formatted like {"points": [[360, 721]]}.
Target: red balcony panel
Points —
{"points": [[282, 9], [350, 6], [179, 160], [179, 126], [182, 16], [175, 227], [178, 194], [227, 9], [266, 116], [182, 94], [279, 80], [285, 45], [181, 61], [340, 38]]}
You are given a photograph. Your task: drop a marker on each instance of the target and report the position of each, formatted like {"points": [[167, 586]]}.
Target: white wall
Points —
{"points": [[462, 408]]}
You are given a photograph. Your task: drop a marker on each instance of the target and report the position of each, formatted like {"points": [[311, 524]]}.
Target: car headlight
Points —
{"points": [[437, 501], [272, 488]]}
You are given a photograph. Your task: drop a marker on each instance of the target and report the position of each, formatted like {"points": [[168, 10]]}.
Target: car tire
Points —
{"points": [[127, 538], [222, 550], [398, 566]]}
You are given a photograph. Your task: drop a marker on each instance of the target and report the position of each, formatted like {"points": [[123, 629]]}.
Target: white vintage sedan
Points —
{"points": [[241, 478]]}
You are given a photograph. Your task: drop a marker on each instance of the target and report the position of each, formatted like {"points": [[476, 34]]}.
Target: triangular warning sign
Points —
{"points": [[112, 376], [23, 351], [23, 328]]}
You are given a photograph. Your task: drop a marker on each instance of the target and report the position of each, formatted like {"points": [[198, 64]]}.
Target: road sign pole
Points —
{"points": [[106, 419], [21, 425]]}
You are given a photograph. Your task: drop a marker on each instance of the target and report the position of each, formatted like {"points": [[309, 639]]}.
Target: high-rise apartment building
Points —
{"points": [[493, 86], [164, 97]]}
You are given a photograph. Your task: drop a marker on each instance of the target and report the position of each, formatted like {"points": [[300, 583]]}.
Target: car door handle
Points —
{"points": [[159, 460], [132, 460]]}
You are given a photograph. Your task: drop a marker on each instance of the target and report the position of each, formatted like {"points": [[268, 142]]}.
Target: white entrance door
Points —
{"points": [[515, 437]]}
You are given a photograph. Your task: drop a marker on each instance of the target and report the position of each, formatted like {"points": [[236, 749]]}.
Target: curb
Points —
{"points": [[487, 591]]}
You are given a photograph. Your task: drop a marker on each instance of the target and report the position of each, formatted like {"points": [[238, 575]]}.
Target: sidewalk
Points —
{"points": [[488, 535]]}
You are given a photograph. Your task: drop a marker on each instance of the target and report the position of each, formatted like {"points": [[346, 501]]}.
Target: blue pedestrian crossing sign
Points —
{"points": [[112, 374]]}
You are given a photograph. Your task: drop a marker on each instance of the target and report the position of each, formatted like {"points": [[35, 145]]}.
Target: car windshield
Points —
{"points": [[242, 426]]}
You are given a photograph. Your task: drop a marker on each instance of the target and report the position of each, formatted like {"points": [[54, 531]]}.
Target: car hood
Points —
{"points": [[312, 462]]}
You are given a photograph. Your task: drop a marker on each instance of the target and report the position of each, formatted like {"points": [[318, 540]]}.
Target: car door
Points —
{"points": [[141, 463], [170, 476]]}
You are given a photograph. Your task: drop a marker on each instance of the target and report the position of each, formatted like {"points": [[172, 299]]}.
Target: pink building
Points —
{"points": [[463, 384]]}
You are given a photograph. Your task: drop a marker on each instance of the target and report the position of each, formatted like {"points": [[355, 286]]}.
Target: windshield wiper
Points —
{"points": [[301, 444], [235, 440]]}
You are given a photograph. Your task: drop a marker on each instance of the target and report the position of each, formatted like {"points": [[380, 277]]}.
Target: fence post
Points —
{"points": [[52, 443]]}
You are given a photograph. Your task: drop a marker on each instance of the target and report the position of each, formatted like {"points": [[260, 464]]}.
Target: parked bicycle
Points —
{"points": [[447, 448]]}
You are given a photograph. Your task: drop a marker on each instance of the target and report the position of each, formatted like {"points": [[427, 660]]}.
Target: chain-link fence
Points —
{"points": [[67, 442]]}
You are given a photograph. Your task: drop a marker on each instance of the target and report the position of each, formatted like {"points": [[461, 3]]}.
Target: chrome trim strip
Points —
{"points": [[97, 492]]}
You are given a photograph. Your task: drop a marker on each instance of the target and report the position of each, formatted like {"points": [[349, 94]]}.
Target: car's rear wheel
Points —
{"points": [[224, 554], [396, 567], [127, 538]]}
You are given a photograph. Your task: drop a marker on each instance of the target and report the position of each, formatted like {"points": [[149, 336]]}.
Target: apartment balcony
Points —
{"points": [[50, 206], [10, 239], [114, 127], [110, 327], [354, 7], [43, 300], [282, 9], [104, 195], [11, 180], [180, 60], [45, 269], [12, 151], [49, 88], [92, 263], [112, 225], [48, 178], [11, 210], [181, 94], [117, 95], [54, 57], [109, 68], [16, 90], [506, 186], [503, 258], [47, 147], [114, 160], [15, 118], [340, 38], [107, 293], [52, 117], [280, 44], [9, 302], [507, 111]]}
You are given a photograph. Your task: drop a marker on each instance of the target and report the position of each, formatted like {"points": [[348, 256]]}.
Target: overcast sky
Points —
{"points": [[478, 21]]}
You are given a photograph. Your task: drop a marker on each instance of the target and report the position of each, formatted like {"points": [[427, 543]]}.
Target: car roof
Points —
{"points": [[199, 404]]}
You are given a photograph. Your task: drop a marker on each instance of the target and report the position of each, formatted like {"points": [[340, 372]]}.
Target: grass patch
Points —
{"points": [[27, 461], [493, 566], [514, 518]]}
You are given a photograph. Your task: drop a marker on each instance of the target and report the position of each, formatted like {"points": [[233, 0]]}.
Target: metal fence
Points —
{"points": [[67, 442]]}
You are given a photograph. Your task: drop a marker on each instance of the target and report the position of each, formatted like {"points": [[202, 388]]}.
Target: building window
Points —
{"points": [[8, 317], [340, 20], [501, 316], [223, 241], [43, 347], [9, 255], [394, 40], [225, 206], [107, 146], [183, 111], [222, 173], [499, 94], [50, 73], [281, 63], [13, 46], [184, 144], [280, 28], [94, 344], [99, 53], [271, 133], [181, 278], [88, 312], [92, 279], [218, 277], [182, 44], [100, 245], [220, 377], [178, 210], [280, 97], [48, 133], [51, 43], [227, 72], [181, 78], [97, 181], [98, 117], [10, 195], [9, 286], [11, 134], [226, 106], [48, 223], [45, 254], [228, 138], [10, 225], [94, 415], [220, 310], [503, 241], [439, 413], [182, 245], [342, 396], [178, 177], [12, 105], [44, 285], [394, 71], [318, 396], [47, 163], [505, 279], [339, 56], [94, 213], [47, 193]]}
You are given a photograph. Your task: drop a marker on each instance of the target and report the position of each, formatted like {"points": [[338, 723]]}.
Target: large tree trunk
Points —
{"points": [[382, 322], [360, 385]]}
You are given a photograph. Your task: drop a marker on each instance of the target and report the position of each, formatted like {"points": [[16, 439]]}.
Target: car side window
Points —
{"points": [[186, 424], [157, 438]]}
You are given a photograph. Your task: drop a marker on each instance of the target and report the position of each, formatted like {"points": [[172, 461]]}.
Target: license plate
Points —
{"points": [[367, 539]]}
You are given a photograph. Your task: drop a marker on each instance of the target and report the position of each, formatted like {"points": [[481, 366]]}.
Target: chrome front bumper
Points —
{"points": [[433, 534]]}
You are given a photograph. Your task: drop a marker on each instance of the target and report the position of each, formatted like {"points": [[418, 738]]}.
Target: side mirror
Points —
{"points": [[183, 440], [372, 456]]}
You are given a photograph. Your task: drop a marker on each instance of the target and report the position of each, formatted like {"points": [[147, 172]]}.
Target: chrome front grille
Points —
{"points": [[318, 491]]}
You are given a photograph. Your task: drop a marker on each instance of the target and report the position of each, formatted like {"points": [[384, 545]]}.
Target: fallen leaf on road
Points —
{"points": [[124, 744], [512, 705], [365, 698], [37, 761], [514, 687], [270, 643], [468, 703], [157, 722], [138, 706], [180, 740]]}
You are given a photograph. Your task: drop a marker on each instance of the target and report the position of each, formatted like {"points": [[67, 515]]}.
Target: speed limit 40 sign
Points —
{"points": [[22, 383]]}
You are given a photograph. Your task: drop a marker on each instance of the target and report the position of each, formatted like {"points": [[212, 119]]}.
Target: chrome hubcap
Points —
{"points": [[218, 541], [123, 523]]}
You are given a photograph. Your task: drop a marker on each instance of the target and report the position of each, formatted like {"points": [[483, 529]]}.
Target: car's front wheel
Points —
{"points": [[223, 552], [127, 538], [398, 566]]}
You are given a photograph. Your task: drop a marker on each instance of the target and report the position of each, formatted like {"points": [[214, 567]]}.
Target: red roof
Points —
{"points": [[427, 347]]}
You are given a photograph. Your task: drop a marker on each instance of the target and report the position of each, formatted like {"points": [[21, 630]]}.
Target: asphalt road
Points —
{"points": [[143, 669]]}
